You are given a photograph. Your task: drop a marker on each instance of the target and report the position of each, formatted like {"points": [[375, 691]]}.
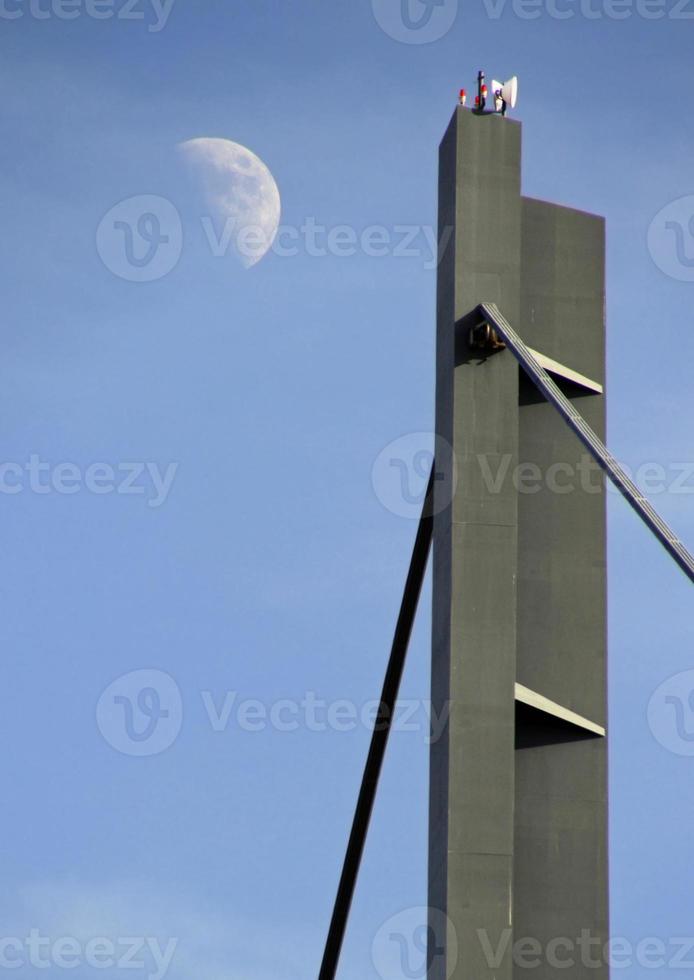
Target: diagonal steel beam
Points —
{"points": [[379, 738], [598, 450]]}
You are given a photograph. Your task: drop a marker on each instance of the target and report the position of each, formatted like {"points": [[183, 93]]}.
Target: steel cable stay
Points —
{"points": [[598, 450]]}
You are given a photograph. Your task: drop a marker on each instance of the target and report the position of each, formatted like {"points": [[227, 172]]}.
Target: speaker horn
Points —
{"points": [[506, 91]]}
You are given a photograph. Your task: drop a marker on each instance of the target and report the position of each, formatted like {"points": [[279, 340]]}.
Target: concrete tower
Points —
{"points": [[518, 809]]}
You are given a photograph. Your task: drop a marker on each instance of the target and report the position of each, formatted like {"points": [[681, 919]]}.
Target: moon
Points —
{"points": [[240, 193]]}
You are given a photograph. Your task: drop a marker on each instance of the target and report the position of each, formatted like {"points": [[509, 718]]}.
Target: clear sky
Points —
{"points": [[248, 406]]}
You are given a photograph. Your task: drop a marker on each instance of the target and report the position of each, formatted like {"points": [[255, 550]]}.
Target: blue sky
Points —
{"points": [[270, 568]]}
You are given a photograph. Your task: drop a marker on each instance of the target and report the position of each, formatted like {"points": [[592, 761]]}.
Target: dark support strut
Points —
{"points": [[379, 739]]}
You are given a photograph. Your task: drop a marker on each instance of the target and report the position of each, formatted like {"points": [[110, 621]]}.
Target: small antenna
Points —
{"points": [[481, 100]]}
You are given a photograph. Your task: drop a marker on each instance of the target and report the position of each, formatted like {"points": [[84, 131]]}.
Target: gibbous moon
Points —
{"points": [[241, 195]]}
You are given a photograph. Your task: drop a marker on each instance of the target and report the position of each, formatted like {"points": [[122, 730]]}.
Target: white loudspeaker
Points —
{"points": [[509, 91]]}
